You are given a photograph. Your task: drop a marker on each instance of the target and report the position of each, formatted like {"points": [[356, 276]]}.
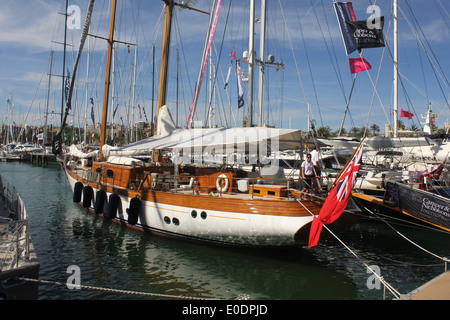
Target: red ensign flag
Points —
{"points": [[337, 199]]}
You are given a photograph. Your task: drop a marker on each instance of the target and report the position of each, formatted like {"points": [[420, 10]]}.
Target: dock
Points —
{"points": [[435, 289], [18, 259], [40, 159]]}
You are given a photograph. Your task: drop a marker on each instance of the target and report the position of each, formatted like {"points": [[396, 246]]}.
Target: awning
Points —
{"points": [[217, 140]]}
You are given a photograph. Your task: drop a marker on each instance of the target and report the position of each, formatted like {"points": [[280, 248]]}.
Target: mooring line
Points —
{"points": [[131, 292], [445, 259], [386, 284]]}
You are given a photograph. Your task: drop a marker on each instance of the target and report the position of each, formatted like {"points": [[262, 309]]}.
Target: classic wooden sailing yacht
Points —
{"points": [[223, 206]]}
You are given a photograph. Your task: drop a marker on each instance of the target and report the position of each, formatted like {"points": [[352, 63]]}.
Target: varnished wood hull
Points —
{"points": [[218, 220]]}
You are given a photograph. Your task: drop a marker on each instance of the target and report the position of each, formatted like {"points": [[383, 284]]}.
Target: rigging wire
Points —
{"points": [[218, 57], [382, 280], [441, 12], [430, 49], [307, 58], [446, 260], [335, 62], [293, 54]]}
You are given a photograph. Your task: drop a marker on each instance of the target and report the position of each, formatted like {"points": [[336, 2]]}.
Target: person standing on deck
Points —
{"points": [[317, 171], [307, 174], [315, 160]]}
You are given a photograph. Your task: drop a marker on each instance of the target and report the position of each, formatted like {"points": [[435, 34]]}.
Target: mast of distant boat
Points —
{"points": [[48, 98], [63, 104], [395, 15]]}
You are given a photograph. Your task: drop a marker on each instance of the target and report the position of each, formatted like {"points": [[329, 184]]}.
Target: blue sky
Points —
{"points": [[316, 68]]}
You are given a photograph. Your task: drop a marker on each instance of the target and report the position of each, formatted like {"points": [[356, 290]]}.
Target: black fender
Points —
{"points": [[113, 205], [100, 198], [77, 190], [133, 211], [88, 196]]}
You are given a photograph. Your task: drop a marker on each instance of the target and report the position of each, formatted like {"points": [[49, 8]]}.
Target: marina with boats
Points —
{"points": [[249, 188]]}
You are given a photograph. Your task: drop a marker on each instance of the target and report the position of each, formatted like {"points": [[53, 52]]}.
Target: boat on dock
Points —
{"points": [[18, 259]]}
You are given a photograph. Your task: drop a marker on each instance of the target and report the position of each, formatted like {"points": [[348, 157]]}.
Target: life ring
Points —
{"points": [[219, 187]]}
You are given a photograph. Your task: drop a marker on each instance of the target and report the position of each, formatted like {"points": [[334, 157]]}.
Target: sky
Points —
{"points": [[304, 36]]}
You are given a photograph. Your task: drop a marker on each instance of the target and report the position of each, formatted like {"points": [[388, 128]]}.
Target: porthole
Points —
{"points": [[194, 214], [109, 174], [167, 220], [203, 215], [176, 221]]}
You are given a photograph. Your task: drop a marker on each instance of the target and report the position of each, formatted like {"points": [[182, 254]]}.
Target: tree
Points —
{"points": [[400, 125], [324, 132], [354, 131], [336, 133], [375, 129]]}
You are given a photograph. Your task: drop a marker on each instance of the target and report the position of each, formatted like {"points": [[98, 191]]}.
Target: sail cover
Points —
{"points": [[218, 140], [165, 122]]}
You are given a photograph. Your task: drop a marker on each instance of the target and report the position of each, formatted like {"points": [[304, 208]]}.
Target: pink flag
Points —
{"points": [[406, 114], [359, 65]]}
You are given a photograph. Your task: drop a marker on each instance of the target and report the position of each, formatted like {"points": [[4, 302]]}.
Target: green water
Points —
{"points": [[111, 256]]}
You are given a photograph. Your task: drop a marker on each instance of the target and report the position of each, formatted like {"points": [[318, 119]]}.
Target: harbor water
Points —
{"points": [[109, 256]]}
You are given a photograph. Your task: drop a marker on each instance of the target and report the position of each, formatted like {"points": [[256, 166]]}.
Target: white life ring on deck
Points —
{"points": [[219, 183]]}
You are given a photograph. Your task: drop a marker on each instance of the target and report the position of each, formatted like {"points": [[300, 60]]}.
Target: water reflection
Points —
{"points": [[111, 256]]}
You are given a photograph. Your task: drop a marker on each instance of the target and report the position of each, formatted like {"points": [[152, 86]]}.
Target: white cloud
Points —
{"points": [[29, 24]]}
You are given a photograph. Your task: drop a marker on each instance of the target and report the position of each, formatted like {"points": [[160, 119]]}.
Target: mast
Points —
{"points": [[133, 92], [48, 96], [164, 64], [57, 140], [152, 122], [251, 62], [178, 69], [86, 102], [113, 89], [165, 56], [395, 69], [64, 64], [10, 136], [108, 76], [262, 54]]}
